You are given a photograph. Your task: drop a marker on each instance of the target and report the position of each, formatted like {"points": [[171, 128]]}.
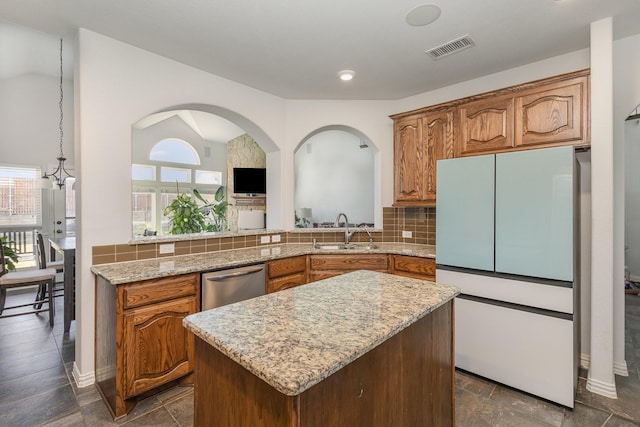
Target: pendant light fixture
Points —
{"points": [[60, 174]]}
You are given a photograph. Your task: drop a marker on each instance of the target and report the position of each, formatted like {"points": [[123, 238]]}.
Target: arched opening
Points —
{"points": [[192, 147], [335, 170]]}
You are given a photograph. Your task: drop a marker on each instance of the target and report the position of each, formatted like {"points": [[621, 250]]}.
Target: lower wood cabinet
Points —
{"points": [[140, 341], [410, 266], [324, 266], [286, 273]]}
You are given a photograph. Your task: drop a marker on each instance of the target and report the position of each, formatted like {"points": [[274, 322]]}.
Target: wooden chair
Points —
{"points": [[42, 264], [24, 278]]}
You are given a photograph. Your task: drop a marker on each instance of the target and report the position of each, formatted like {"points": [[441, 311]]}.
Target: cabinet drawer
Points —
{"points": [[166, 288], [349, 263], [285, 267], [420, 268], [286, 282]]}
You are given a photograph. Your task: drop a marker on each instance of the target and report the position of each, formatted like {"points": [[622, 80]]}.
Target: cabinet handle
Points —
{"points": [[240, 273]]}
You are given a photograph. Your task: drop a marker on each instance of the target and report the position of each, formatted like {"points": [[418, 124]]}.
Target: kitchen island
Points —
{"points": [[364, 348]]}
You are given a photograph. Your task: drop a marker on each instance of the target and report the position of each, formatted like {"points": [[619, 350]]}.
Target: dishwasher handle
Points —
{"points": [[237, 274]]}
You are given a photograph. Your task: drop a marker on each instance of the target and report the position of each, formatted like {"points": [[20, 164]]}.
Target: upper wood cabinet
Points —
{"points": [[556, 114], [543, 113], [420, 141], [408, 160], [485, 125]]}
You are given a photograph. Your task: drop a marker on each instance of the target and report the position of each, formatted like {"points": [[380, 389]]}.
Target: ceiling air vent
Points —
{"points": [[451, 47]]}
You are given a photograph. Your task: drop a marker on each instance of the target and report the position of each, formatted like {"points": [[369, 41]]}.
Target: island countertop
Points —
{"points": [[295, 338]]}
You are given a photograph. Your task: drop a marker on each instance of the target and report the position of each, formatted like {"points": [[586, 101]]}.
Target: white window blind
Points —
{"points": [[20, 196]]}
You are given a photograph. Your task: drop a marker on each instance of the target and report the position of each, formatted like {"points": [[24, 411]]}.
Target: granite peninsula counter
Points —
{"points": [[363, 348], [131, 271]]}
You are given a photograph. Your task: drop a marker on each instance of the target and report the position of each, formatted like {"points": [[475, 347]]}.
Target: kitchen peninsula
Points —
{"points": [[363, 348]]}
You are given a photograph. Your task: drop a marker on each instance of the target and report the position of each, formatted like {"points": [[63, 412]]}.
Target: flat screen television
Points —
{"points": [[250, 181]]}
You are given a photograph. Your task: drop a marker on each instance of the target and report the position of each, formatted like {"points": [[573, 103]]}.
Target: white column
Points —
{"points": [[601, 378], [619, 362]]}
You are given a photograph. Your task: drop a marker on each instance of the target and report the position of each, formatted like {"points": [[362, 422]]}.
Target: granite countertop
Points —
{"points": [[132, 271], [295, 338]]}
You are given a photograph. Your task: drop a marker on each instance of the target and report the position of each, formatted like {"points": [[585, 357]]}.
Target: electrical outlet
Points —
{"points": [[264, 239], [275, 238], [167, 248], [265, 252], [275, 251], [406, 234]]}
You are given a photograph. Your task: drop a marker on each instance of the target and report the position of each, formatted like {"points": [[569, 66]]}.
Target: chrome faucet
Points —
{"points": [[371, 244], [347, 235]]}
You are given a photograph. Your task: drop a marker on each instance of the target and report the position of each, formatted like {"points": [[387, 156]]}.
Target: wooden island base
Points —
{"points": [[408, 380]]}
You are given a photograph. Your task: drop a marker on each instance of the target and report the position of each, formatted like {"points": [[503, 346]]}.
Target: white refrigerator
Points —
{"points": [[506, 236]]}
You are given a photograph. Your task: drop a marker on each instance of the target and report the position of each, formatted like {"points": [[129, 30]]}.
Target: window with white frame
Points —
{"points": [[172, 162], [20, 197]]}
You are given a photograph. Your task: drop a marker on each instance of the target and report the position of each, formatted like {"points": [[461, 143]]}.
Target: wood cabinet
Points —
{"points": [[407, 380], [408, 160], [410, 266], [286, 273], [420, 141], [485, 125], [555, 114], [140, 341], [543, 113], [324, 266]]}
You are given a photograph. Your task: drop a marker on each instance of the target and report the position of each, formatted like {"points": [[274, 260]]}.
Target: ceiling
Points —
{"points": [[295, 48]]}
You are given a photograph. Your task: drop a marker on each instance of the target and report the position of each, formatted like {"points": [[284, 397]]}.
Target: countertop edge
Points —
{"points": [[195, 263]]}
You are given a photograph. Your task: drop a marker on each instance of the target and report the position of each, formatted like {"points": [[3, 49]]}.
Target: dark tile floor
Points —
{"points": [[36, 387]]}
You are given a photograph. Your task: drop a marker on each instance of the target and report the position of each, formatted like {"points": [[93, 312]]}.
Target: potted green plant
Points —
{"points": [[216, 209], [185, 216], [10, 256]]}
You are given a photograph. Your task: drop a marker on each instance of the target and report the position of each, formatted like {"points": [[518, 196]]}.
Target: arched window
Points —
{"points": [[174, 150]]}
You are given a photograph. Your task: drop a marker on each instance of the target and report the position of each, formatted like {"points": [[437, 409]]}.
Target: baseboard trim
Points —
{"points": [[585, 360], [620, 368], [602, 388], [83, 380]]}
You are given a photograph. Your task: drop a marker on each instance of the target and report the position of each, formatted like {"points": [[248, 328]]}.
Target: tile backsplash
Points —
{"points": [[419, 221]]}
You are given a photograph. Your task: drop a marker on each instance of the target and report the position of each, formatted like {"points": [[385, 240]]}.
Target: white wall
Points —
{"points": [[29, 120], [333, 174], [117, 85]]}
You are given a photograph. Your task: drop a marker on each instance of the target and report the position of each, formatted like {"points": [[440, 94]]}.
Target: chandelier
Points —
{"points": [[60, 174]]}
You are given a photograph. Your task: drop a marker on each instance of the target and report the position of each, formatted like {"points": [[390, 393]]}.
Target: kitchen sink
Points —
{"points": [[336, 246]]}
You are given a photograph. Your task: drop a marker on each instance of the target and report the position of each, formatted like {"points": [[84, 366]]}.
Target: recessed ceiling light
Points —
{"points": [[423, 14], [346, 75]]}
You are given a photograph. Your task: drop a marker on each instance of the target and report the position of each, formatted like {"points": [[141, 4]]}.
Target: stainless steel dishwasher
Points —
{"points": [[232, 285]]}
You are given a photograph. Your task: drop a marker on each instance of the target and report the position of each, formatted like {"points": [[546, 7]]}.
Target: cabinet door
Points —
{"points": [[157, 348], [437, 144], [285, 282], [408, 160], [485, 126], [557, 114]]}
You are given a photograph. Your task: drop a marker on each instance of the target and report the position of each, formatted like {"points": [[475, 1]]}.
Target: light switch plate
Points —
{"points": [[264, 239], [406, 234], [167, 248], [275, 238]]}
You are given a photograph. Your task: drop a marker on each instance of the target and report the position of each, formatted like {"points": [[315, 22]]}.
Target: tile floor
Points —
{"points": [[36, 387]]}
